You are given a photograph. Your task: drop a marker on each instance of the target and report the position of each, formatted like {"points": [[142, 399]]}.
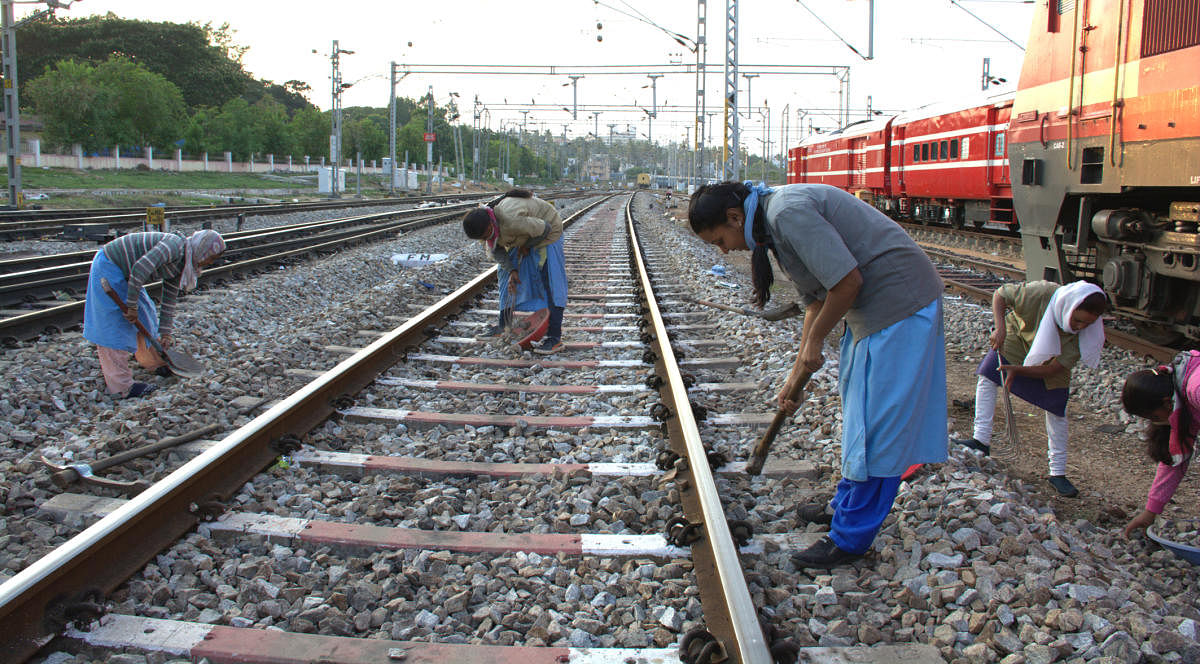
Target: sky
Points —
{"points": [[925, 51]]}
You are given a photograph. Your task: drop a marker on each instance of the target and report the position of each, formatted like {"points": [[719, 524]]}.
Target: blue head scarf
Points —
{"points": [[750, 206]]}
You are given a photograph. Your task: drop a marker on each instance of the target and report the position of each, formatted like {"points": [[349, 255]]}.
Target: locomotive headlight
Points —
{"points": [[1119, 225]]}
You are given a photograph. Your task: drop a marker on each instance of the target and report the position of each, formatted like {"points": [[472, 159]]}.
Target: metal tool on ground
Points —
{"points": [[64, 476], [779, 313], [179, 362], [758, 455], [528, 330]]}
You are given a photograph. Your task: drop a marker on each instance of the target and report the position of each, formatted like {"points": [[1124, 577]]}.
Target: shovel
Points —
{"points": [[778, 313], [179, 362], [758, 455]]}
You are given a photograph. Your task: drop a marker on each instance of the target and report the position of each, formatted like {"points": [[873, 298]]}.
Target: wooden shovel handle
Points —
{"points": [[758, 455]]}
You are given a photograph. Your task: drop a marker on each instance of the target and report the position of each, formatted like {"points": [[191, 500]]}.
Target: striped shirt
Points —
{"points": [[144, 257]]}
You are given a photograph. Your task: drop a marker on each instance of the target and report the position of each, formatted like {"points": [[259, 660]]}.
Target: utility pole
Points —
{"points": [[575, 95], [429, 138], [729, 169], [12, 111], [524, 118], [701, 57], [392, 129], [335, 137], [12, 115], [653, 106]]}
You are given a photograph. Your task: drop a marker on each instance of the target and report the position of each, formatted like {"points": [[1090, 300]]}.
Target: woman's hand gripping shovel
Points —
{"points": [[179, 362], [758, 455]]}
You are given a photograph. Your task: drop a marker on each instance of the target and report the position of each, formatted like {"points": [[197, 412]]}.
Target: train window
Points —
{"points": [[916, 153], [942, 150], [924, 152], [999, 145], [966, 148], [954, 148]]}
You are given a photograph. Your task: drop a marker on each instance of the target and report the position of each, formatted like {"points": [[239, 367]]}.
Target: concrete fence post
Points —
{"points": [[205, 162], [289, 163], [35, 145], [251, 162], [228, 162], [150, 157], [78, 150], [179, 160], [117, 154], [270, 163]]}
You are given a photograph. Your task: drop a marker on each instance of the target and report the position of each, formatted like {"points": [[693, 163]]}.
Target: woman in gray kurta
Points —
{"points": [[849, 261]]}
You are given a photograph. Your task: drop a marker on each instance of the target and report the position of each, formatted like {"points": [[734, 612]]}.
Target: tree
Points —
{"points": [[74, 108], [116, 103], [309, 130], [200, 60], [149, 108]]}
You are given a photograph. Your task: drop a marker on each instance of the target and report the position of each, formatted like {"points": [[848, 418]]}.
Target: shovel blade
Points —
{"points": [[182, 364]]}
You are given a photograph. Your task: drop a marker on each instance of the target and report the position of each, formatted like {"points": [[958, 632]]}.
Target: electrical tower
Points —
{"points": [[729, 170], [701, 56]]}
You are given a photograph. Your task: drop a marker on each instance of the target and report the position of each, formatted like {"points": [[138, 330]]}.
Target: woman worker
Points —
{"points": [[849, 261], [128, 263], [1168, 396], [524, 235], [1047, 329]]}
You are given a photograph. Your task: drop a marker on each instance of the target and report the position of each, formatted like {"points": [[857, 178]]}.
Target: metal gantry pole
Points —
{"points": [[729, 169], [429, 143], [392, 130], [701, 56], [653, 107], [12, 114]]}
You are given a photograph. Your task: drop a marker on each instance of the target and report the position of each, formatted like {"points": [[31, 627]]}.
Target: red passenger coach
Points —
{"points": [[940, 164]]}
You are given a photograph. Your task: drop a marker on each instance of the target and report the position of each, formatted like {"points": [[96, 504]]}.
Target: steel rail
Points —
{"points": [[750, 646], [108, 552], [182, 215]]}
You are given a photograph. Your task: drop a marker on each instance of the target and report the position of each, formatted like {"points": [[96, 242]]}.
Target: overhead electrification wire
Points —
{"points": [[683, 40], [989, 25], [831, 30]]}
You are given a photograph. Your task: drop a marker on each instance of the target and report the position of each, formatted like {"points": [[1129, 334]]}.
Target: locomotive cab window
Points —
{"points": [[942, 150], [954, 148], [999, 145], [924, 151], [916, 153]]}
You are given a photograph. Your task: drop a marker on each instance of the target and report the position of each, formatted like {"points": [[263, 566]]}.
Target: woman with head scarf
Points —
{"points": [[129, 263], [848, 261], [1041, 331], [1168, 397], [523, 233]]}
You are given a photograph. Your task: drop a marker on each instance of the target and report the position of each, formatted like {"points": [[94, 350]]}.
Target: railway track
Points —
{"points": [[44, 294], [637, 527], [96, 223]]}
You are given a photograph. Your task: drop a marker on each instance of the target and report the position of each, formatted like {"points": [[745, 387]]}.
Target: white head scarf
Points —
{"points": [[1058, 317], [199, 247]]}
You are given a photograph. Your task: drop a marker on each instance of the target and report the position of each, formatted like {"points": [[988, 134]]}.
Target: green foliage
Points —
{"points": [[200, 60], [310, 133], [117, 102]]}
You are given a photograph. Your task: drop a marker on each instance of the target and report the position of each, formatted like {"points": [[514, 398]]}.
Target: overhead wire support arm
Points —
{"points": [[989, 25], [870, 27]]}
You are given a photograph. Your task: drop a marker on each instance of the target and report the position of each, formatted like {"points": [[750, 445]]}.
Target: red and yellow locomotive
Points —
{"points": [[1102, 141]]}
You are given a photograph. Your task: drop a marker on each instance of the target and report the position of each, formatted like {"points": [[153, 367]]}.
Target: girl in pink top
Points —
{"points": [[1169, 397]]}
